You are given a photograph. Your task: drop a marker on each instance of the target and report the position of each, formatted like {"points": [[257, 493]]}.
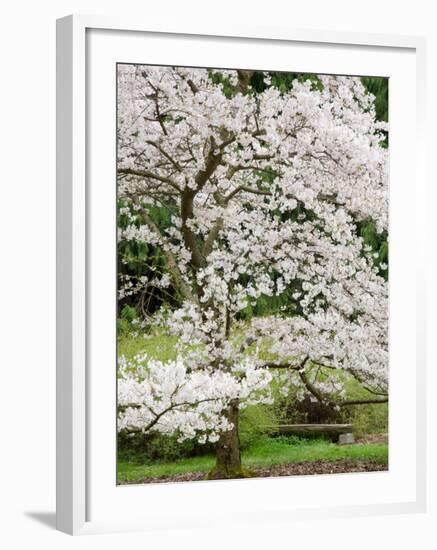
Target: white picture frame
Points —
{"points": [[74, 394]]}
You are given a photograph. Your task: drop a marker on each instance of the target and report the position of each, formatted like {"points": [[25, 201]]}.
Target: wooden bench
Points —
{"points": [[340, 433]]}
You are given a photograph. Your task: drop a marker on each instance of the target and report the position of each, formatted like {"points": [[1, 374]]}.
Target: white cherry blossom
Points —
{"points": [[265, 191]]}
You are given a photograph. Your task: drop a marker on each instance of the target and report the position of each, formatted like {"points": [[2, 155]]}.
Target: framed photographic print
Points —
{"points": [[240, 325]]}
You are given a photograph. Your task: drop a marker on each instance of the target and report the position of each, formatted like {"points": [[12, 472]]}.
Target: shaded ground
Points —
{"points": [[300, 468]]}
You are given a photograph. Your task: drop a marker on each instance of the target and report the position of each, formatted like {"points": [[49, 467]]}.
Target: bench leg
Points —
{"points": [[346, 439]]}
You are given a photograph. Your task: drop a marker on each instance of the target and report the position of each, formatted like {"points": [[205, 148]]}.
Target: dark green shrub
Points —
{"points": [[255, 422], [157, 447]]}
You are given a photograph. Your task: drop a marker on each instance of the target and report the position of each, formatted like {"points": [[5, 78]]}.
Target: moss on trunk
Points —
{"points": [[228, 456], [229, 472]]}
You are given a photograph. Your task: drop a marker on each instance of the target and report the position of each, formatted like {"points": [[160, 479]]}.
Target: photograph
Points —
{"points": [[252, 273]]}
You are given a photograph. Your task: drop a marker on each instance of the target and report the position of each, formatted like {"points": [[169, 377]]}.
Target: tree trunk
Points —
{"points": [[228, 456]]}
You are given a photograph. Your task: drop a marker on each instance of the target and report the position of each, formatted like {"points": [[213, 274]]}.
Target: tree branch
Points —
{"points": [[325, 399], [148, 175], [363, 402], [287, 365], [243, 80], [165, 154], [158, 416], [187, 205], [247, 189], [212, 237]]}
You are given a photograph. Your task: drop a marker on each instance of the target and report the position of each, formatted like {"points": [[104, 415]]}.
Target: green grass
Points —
{"points": [[161, 347], [267, 452]]}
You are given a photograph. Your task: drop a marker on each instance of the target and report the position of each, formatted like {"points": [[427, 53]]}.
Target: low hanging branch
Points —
{"points": [[158, 416], [325, 399]]}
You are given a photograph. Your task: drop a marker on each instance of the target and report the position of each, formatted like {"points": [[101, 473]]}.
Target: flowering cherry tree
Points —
{"points": [[264, 191]]}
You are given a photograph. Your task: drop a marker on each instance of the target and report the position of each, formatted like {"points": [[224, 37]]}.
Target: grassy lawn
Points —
{"points": [[268, 452], [156, 346]]}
